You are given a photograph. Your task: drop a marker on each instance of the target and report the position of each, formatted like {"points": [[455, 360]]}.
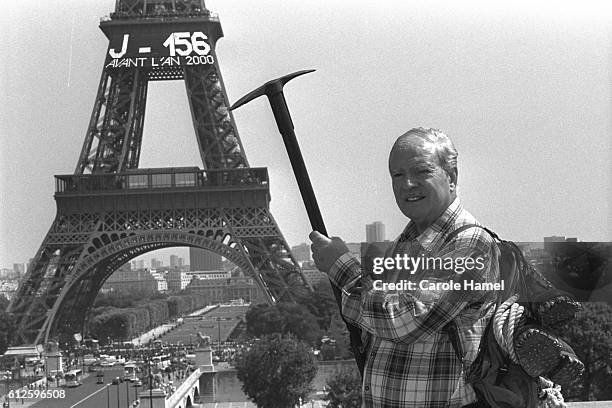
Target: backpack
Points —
{"points": [[499, 381]]}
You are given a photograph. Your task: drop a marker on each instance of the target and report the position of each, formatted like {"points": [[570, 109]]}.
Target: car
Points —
{"points": [[56, 373], [137, 383], [117, 380], [89, 359], [107, 363]]}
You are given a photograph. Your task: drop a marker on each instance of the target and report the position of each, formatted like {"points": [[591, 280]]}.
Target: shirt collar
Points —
{"points": [[433, 233]]}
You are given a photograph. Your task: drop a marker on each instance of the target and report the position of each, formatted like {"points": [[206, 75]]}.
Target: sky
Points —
{"points": [[523, 89]]}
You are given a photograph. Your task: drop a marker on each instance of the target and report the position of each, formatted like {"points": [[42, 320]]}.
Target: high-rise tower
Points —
{"points": [[375, 232], [110, 210]]}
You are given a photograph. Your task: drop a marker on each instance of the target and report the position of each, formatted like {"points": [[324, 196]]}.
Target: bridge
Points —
{"points": [[198, 386], [183, 397]]}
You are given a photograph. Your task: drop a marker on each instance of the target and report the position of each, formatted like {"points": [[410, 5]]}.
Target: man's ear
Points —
{"points": [[453, 174]]}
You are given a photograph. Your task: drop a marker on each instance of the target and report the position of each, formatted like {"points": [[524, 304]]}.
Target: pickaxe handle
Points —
{"points": [[274, 91], [285, 126]]}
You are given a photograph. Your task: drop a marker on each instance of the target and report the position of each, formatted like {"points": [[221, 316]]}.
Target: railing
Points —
{"points": [[151, 179], [161, 8], [123, 15]]}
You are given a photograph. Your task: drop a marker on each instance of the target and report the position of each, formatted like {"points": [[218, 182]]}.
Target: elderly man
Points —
{"points": [[410, 358]]}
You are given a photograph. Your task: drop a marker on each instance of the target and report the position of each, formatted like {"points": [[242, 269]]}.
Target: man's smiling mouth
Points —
{"points": [[413, 199]]}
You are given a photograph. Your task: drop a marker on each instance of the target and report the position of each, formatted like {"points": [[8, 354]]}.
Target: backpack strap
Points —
{"points": [[462, 228], [453, 334], [451, 327]]}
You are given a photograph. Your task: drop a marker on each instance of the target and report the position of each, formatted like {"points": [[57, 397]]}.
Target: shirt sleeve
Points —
{"points": [[411, 315]]}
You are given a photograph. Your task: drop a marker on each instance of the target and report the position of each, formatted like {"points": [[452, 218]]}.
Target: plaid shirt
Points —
{"points": [[411, 361]]}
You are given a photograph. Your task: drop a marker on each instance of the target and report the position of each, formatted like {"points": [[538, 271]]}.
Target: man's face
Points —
{"points": [[422, 189]]}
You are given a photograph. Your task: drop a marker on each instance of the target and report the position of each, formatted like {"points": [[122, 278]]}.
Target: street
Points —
{"points": [[92, 395]]}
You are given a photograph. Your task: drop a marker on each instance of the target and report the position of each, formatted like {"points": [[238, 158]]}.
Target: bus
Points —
{"points": [[73, 378], [89, 359], [130, 372], [161, 361]]}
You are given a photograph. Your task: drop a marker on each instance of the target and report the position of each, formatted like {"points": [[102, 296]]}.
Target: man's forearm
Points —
{"points": [[396, 315]]}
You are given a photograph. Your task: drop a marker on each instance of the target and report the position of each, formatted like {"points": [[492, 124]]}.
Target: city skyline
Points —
{"points": [[163, 255], [518, 88]]}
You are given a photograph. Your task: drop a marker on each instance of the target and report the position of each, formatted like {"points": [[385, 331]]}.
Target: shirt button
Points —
{"points": [[366, 388]]}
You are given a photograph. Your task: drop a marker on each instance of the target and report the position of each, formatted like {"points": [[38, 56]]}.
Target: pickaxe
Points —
{"points": [[274, 91]]}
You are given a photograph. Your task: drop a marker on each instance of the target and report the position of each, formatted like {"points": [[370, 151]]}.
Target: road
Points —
{"points": [[92, 395], [151, 334]]}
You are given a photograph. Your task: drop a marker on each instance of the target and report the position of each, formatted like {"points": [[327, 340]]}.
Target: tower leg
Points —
{"points": [[114, 135], [220, 146]]}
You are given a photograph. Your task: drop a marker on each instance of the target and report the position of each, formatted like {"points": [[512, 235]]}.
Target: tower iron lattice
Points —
{"points": [[110, 210]]}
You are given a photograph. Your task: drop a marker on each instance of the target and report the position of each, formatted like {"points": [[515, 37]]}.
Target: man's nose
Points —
{"points": [[409, 182]]}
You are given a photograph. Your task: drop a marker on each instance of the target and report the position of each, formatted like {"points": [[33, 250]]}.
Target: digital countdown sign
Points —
{"points": [[152, 47]]}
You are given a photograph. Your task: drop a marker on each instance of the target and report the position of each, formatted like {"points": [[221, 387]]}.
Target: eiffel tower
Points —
{"points": [[110, 210]]}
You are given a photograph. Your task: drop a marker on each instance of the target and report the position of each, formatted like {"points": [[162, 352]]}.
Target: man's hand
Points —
{"points": [[325, 251]]}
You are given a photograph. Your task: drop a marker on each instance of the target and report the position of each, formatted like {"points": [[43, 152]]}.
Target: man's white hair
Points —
{"points": [[445, 150]]}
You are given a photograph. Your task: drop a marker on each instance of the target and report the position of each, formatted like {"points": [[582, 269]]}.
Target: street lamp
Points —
{"points": [[41, 349], [150, 377], [78, 337], [118, 406], [150, 388], [219, 335], [7, 401]]}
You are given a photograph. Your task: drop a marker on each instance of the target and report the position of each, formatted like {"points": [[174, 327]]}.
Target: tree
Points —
{"points": [[283, 318], [300, 322], [6, 325], [589, 336], [276, 371], [6, 328], [339, 332], [113, 299], [264, 319], [344, 390], [3, 303], [115, 324], [119, 316], [322, 303]]}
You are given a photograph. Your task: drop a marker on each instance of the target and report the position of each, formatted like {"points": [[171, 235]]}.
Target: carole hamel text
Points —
{"points": [[425, 284]]}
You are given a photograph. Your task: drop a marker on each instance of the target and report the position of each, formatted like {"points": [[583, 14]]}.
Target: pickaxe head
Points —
{"points": [[269, 88]]}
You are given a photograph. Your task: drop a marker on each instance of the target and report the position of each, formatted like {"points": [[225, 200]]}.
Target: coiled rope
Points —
{"points": [[505, 322]]}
